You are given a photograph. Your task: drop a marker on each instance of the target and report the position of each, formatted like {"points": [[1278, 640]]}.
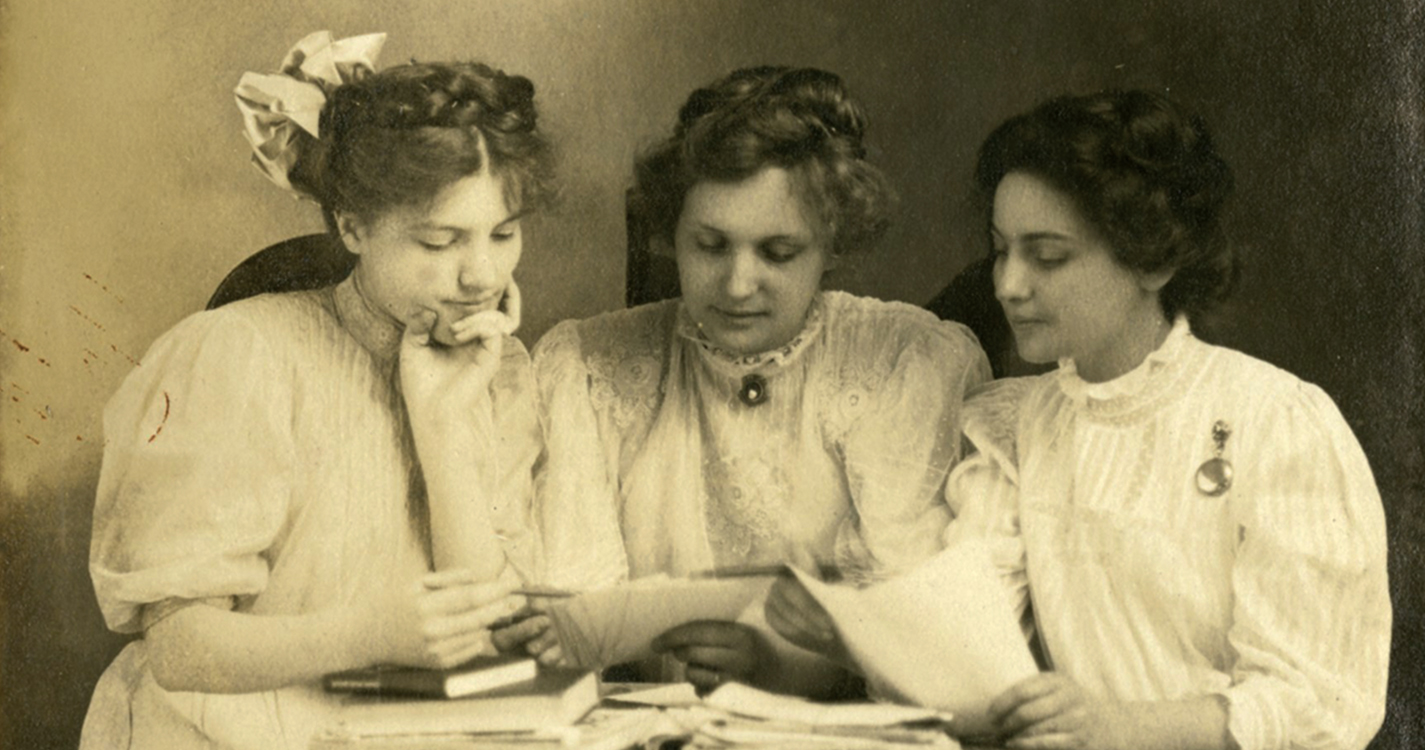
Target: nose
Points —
{"points": [[1011, 275], [478, 269], [742, 274]]}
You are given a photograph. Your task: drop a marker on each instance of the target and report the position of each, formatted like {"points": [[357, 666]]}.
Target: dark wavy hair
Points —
{"points": [[398, 137], [800, 119], [1143, 172]]}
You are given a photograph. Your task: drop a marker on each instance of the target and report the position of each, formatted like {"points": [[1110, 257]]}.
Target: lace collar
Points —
{"points": [[1129, 389], [743, 363], [371, 327]]}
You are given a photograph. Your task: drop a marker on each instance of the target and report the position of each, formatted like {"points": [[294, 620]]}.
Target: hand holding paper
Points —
{"points": [[942, 636]]}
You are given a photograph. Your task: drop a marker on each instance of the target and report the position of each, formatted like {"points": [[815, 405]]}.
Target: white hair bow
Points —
{"points": [[277, 107]]}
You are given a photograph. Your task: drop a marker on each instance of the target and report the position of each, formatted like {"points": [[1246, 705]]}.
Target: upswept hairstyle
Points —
{"points": [[1142, 172], [800, 119], [398, 137]]}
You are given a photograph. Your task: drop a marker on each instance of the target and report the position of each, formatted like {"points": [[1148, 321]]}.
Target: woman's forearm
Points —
{"points": [[1189, 724], [461, 476], [212, 650]]}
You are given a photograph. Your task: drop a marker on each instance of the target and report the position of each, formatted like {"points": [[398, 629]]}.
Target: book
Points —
{"points": [[556, 697], [477, 675]]}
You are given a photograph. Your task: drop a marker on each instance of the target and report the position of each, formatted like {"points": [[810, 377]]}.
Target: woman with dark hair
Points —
{"points": [[284, 474], [758, 419], [1199, 531]]}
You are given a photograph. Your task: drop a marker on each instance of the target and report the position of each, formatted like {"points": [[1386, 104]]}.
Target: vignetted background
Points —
{"points": [[125, 195]]}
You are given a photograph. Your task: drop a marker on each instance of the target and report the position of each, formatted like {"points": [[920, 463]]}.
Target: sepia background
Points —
{"points": [[126, 195]]}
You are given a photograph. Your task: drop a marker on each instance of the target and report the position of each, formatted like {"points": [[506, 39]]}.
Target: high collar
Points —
{"points": [[378, 332], [1143, 383], [739, 364]]}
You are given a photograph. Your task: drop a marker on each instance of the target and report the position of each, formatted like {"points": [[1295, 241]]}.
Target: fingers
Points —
{"points": [[490, 324], [460, 596], [455, 651], [418, 328], [449, 577], [700, 633], [512, 306], [520, 633], [793, 613], [704, 680], [1021, 692], [552, 656]]}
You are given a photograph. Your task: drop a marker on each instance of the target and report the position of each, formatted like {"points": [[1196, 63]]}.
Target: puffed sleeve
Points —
{"points": [[195, 484], [1312, 617], [899, 450], [576, 479], [983, 489]]}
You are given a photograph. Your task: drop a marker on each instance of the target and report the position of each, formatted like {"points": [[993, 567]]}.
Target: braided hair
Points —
{"points": [[398, 137], [1143, 172], [800, 119]]}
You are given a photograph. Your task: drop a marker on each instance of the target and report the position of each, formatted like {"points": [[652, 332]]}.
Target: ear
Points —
{"points": [[1155, 281], [352, 231]]}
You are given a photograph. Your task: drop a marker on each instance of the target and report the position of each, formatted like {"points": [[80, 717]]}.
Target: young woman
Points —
{"points": [[283, 474], [757, 419], [1199, 531]]}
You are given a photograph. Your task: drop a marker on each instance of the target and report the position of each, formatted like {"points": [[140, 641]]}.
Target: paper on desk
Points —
{"points": [[615, 625], [748, 701], [943, 635]]}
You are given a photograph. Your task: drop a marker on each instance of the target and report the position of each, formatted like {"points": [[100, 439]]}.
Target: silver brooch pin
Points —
{"points": [[1214, 477]]}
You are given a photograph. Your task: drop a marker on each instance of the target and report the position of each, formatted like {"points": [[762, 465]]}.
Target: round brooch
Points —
{"points": [[754, 390], [1214, 477]]}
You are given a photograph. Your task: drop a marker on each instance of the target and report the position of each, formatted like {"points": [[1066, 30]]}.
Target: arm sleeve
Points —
{"points": [[194, 487], [1312, 617], [983, 489], [576, 485], [900, 448]]}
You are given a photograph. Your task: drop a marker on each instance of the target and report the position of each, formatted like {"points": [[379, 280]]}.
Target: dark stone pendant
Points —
{"points": [[1214, 477], [754, 389]]}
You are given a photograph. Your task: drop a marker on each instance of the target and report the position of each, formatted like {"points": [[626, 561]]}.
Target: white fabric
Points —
{"points": [[256, 457], [1272, 595], [655, 464]]}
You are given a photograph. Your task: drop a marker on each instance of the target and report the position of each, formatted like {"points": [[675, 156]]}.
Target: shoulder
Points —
{"points": [[644, 328], [1257, 387], [859, 325], [994, 414], [266, 324]]}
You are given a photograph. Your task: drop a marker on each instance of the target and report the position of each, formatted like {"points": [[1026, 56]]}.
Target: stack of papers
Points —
{"points": [[737, 715]]}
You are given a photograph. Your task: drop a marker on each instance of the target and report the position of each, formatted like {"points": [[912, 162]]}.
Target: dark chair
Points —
{"points": [[308, 262]]}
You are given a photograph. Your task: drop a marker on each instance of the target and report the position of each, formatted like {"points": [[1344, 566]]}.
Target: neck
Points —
{"points": [[1126, 353]]}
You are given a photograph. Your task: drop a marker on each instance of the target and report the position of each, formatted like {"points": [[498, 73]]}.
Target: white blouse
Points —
{"points": [[1146, 585], [256, 461], [655, 464]]}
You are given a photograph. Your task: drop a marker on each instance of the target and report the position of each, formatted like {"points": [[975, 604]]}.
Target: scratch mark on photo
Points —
{"points": [[105, 288], [166, 405], [92, 321]]}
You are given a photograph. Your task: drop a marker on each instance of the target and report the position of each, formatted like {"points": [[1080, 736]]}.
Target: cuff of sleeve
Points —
{"points": [[156, 611], [1255, 720]]}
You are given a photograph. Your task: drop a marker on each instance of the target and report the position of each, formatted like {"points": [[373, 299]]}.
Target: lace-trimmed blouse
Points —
{"points": [[1145, 586], [255, 461], [655, 464]]}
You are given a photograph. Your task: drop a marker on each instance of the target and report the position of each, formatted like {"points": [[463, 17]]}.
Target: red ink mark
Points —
{"points": [[16, 399], [42, 414], [18, 388], [44, 361], [32, 439], [92, 321], [91, 353], [166, 404], [20, 346], [79, 438], [105, 288]]}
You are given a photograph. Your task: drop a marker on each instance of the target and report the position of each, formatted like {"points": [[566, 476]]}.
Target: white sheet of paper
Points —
{"points": [[748, 701], [943, 636], [615, 625]]}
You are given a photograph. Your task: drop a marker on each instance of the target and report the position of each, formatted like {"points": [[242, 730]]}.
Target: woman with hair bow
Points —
{"points": [[284, 474]]}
